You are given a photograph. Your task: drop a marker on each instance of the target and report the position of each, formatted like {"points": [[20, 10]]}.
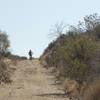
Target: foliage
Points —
{"points": [[71, 53], [74, 56], [4, 43]]}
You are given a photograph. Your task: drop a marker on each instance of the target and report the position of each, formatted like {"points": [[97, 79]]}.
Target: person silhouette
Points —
{"points": [[30, 54]]}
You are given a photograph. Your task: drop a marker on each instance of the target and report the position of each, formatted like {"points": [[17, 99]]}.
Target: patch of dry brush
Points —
{"points": [[75, 91], [93, 91], [4, 73]]}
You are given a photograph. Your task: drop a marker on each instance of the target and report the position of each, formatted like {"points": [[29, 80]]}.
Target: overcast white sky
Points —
{"points": [[28, 22]]}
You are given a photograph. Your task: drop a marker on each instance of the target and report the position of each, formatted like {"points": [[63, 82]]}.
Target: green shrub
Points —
{"points": [[72, 53], [73, 57]]}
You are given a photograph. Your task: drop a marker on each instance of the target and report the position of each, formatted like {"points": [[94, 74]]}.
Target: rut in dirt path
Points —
{"points": [[30, 82]]}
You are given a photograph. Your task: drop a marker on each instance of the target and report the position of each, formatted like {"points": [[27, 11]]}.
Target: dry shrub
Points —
{"points": [[17, 57], [90, 91], [70, 85], [71, 89], [4, 73], [93, 91]]}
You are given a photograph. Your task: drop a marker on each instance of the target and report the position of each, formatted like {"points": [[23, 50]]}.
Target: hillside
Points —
{"points": [[75, 54]]}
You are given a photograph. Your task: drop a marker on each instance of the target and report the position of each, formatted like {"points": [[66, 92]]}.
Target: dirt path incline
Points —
{"points": [[30, 82]]}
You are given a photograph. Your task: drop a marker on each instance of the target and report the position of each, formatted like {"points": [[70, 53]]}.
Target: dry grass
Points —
{"points": [[84, 91], [93, 91], [4, 73], [71, 88]]}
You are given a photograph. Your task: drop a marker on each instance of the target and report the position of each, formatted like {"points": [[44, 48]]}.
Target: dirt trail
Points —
{"points": [[30, 82]]}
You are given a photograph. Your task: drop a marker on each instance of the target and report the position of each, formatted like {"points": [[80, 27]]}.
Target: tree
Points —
{"points": [[91, 21], [58, 29], [4, 43]]}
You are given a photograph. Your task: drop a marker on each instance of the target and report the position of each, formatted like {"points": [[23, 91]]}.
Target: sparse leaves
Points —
{"points": [[4, 43]]}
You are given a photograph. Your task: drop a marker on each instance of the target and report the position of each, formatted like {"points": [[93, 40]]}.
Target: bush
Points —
{"points": [[4, 73], [4, 43], [73, 57], [72, 53], [93, 91]]}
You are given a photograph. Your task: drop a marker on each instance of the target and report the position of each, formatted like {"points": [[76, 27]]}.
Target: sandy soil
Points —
{"points": [[30, 82]]}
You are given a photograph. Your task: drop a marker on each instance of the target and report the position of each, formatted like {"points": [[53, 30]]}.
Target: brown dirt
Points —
{"points": [[30, 82]]}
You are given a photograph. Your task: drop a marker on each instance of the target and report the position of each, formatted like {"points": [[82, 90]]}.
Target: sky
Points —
{"points": [[28, 22]]}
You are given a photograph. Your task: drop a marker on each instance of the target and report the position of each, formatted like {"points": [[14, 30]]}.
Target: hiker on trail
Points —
{"points": [[30, 54]]}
